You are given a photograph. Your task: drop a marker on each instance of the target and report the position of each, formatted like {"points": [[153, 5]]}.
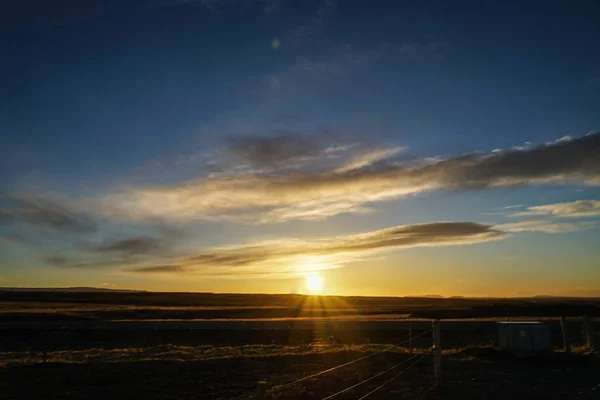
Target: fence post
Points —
{"points": [[410, 343], [589, 333], [44, 344], [261, 390], [565, 337], [438, 352]]}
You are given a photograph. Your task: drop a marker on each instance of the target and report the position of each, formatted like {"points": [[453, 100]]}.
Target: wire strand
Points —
{"points": [[368, 379], [346, 364], [391, 379], [334, 368], [414, 337]]}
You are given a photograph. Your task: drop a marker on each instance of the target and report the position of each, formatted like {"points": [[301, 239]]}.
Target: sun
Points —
{"points": [[315, 284]]}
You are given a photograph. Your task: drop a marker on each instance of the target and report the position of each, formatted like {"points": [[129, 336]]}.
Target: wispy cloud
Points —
{"points": [[574, 161], [109, 253], [160, 269], [293, 257], [70, 236], [270, 151], [132, 246], [40, 211], [513, 206], [57, 261], [548, 226], [368, 158], [82, 262], [572, 209]]}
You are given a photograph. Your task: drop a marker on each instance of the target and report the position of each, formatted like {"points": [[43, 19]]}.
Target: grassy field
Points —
{"points": [[36, 306], [467, 373], [137, 345]]}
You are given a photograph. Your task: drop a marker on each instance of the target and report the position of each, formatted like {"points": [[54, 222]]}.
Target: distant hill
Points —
{"points": [[69, 289]]}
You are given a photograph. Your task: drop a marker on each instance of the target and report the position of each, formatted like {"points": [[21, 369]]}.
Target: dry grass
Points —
{"points": [[207, 372], [171, 352]]}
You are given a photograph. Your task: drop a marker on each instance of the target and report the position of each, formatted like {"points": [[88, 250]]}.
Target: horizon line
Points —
{"points": [[424, 296]]}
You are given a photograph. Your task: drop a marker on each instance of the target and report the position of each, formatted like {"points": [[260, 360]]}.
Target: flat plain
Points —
{"points": [[140, 345]]}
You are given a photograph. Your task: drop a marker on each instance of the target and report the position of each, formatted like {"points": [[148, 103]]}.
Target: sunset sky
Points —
{"points": [[387, 147]]}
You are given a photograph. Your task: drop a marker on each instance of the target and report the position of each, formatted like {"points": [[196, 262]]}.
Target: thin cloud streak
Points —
{"points": [[369, 158], [161, 269], [572, 209], [548, 226], [132, 246], [513, 206]]}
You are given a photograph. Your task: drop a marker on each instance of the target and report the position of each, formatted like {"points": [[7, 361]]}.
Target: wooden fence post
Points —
{"points": [[410, 343], [565, 336], [438, 352], [261, 390]]}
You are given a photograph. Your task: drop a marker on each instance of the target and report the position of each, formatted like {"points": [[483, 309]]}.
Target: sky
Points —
{"points": [[386, 148]]}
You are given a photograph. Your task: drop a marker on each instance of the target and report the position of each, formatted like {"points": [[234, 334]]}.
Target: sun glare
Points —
{"points": [[315, 284]]}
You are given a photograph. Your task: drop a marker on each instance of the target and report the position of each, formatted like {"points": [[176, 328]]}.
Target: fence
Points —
{"points": [[262, 390], [589, 339], [570, 333]]}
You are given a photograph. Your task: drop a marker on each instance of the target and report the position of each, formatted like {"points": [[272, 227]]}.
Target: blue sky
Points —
{"points": [[221, 145]]}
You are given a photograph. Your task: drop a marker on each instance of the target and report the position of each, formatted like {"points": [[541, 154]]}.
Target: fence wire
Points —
{"points": [[391, 379], [370, 378], [349, 362]]}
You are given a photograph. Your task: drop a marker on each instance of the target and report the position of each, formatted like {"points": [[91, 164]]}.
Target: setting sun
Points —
{"points": [[315, 284]]}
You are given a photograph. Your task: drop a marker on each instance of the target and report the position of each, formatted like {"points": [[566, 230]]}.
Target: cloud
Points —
{"points": [[368, 158], [132, 246], [308, 212], [159, 269], [560, 162], [76, 263], [548, 226], [300, 193], [118, 252], [39, 211], [572, 209], [58, 261], [81, 232], [293, 257], [269, 151], [513, 206]]}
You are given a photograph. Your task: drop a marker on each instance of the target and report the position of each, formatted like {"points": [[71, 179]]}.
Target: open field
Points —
{"points": [[107, 305], [138, 345], [468, 373]]}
